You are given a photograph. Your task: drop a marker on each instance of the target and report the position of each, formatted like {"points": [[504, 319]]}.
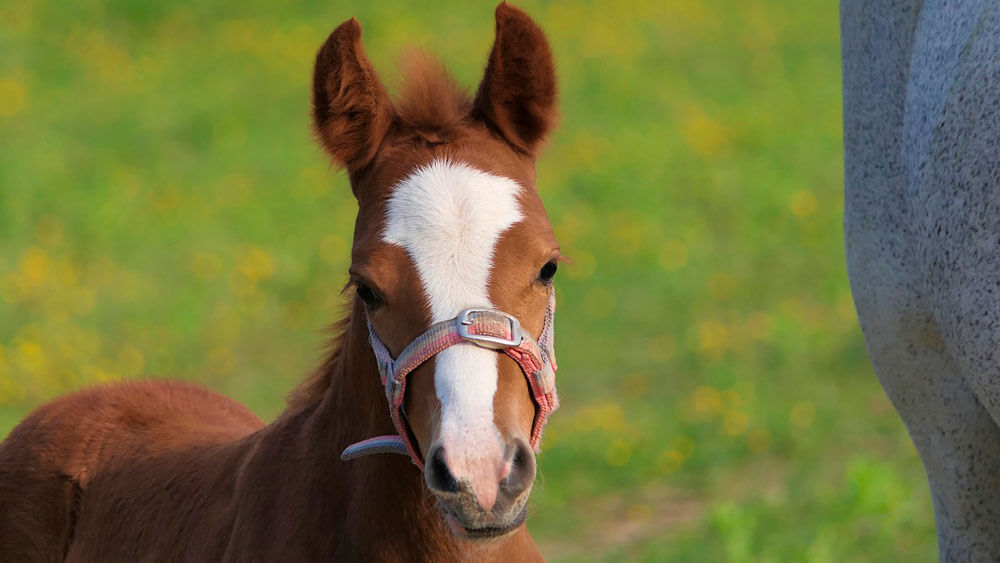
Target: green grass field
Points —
{"points": [[164, 211]]}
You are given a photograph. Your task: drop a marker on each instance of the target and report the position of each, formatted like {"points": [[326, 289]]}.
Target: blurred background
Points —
{"points": [[164, 211]]}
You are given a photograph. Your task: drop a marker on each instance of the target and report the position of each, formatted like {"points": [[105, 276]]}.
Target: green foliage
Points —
{"points": [[163, 211]]}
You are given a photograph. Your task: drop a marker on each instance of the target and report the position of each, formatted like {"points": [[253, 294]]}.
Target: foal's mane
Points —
{"points": [[311, 390], [430, 105]]}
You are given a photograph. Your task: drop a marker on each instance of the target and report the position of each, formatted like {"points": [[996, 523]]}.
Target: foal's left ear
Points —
{"points": [[351, 111], [517, 96]]}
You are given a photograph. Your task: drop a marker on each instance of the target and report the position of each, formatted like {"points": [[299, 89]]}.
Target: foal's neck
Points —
{"points": [[381, 506]]}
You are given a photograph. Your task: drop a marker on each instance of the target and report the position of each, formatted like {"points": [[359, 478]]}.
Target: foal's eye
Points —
{"points": [[548, 272], [368, 295]]}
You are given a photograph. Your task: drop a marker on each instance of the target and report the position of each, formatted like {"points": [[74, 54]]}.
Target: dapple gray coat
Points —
{"points": [[922, 227]]}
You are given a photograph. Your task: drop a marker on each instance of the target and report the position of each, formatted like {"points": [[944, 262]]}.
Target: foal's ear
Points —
{"points": [[351, 110], [517, 96]]}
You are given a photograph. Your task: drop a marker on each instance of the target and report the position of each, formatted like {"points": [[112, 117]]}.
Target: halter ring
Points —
{"points": [[491, 341]]}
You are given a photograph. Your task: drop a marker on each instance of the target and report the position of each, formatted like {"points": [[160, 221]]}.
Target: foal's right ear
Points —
{"points": [[517, 96], [351, 110]]}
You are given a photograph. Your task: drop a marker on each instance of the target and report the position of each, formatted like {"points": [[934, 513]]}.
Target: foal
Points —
{"points": [[453, 260]]}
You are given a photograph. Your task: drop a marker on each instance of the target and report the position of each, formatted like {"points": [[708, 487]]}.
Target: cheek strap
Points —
{"points": [[484, 327]]}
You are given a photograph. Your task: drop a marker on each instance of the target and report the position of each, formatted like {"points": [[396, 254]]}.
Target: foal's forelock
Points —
{"points": [[448, 216]]}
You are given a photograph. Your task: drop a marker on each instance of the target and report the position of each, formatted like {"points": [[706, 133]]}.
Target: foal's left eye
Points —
{"points": [[548, 272], [368, 295]]}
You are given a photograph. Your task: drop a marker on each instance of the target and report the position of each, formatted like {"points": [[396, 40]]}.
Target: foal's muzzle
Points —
{"points": [[491, 508]]}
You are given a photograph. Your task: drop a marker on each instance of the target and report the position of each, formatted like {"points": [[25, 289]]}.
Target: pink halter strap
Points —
{"points": [[483, 327]]}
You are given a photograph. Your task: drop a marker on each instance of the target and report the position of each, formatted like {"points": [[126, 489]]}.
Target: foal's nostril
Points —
{"points": [[439, 477], [522, 468]]}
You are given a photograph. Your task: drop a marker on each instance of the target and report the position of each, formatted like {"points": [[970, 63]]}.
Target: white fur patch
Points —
{"points": [[448, 216]]}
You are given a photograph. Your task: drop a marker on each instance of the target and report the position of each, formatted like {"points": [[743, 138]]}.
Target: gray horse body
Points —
{"points": [[922, 230]]}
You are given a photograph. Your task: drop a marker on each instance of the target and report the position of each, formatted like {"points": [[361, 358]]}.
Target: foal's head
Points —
{"points": [[448, 219]]}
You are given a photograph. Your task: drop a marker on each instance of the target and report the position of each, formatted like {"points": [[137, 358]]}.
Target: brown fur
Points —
{"points": [[518, 93], [430, 99], [161, 470]]}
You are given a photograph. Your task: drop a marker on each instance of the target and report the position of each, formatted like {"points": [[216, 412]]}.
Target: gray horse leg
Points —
{"points": [[955, 436], [913, 347], [957, 440]]}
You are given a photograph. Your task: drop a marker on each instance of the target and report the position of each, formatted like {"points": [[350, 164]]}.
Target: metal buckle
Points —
{"points": [[495, 343]]}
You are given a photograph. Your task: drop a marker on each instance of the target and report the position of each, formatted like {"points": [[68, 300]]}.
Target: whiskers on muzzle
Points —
{"points": [[482, 497]]}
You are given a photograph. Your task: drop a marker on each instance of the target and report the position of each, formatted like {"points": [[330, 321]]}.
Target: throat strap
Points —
{"points": [[391, 444], [484, 327]]}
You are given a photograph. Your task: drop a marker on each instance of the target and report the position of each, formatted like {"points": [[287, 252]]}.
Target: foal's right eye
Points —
{"points": [[368, 295], [548, 272]]}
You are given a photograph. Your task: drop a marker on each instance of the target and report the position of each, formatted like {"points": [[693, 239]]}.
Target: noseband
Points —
{"points": [[486, 328]]}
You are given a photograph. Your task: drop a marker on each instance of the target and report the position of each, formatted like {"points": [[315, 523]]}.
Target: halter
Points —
{"points": [[487, 328]]}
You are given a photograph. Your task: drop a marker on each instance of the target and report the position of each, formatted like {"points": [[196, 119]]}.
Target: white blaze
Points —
{"points": [[448, 216]]}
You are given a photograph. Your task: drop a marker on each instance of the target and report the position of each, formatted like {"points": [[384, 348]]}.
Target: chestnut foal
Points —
{"points": [[453, 260]]}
